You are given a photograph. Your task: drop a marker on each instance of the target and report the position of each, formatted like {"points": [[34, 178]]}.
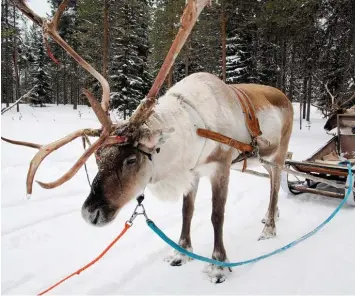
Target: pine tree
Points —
{"points": [[166, 21], [88, 37], [7, 33], [128, 72], [65, 77], [241, 64], [202, 52], [336, 68], [25, 59], [304, 47], [41, 93]]}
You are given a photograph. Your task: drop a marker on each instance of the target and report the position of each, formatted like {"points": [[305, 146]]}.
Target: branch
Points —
{"points": [[18, 101], [331, 95], [327, 89], [319, 107]]}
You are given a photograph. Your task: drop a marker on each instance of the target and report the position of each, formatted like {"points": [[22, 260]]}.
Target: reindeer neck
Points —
{"points": [[178, 153]]}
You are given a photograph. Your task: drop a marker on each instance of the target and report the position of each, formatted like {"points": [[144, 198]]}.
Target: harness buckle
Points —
{"points": [[139, 210]]}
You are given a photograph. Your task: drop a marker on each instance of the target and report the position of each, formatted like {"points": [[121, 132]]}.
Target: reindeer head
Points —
{"points": [[333, 118], [123, 152], [124, 170]]}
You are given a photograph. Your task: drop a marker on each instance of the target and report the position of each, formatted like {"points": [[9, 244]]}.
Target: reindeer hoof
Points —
{"points": [[178, 259], [176, 262], [218, 279], [268, 232], [216, 273]]}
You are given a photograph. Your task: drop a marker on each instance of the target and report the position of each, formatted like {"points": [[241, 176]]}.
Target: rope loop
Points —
{"points": [[180, 249]]}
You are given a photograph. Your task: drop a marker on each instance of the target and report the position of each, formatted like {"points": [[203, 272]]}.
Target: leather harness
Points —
{"points": [[252, 124], [251, 120]]}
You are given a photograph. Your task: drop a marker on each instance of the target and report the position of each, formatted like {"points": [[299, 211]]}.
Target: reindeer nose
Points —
{"points": [[96, 210], [92, 215], [95, 216]]}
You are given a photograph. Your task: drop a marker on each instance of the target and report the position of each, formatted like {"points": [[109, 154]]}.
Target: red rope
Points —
{"points": [[50, 54], [127, 226], [52, 57]]}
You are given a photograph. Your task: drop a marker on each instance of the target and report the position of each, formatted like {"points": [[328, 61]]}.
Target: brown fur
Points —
{"points": [[263, 96]]}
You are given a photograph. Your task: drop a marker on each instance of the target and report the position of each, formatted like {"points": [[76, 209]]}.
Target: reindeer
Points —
{"points": [[345, 107], [332, 120], [158, 147]]}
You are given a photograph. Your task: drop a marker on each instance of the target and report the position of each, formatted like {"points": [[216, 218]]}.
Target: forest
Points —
{"points": [[306, 48]]}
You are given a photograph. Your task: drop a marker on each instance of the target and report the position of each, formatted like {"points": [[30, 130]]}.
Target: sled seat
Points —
{"points": [[319, 168]]}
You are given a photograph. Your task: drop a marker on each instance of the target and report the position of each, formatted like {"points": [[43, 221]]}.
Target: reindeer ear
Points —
{"points": [[153, 138]]}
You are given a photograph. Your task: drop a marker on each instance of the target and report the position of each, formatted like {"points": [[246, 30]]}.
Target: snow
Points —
{"points": [[44, 239]]}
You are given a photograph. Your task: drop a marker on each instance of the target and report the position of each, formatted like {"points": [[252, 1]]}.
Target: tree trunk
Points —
{"points": [[283, 63], [105, 45], [278, 61], [71, 90], [292, 74], [76, 87], [352, 62], [71, 82], [3, 69], [7, 59], [65, 99], [309, 96], [300, 114], [305, 80], [224, 42], [57, 84], [17, 75]]}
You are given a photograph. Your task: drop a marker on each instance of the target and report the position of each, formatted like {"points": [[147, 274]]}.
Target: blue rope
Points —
{"points": [[157, 230]]}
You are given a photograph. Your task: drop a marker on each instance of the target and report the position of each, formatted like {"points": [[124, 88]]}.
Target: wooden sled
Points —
{"points": [[325, 163]]}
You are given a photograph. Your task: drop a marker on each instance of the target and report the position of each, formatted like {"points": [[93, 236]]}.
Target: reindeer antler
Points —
{"points": [[51, 29], [45, 150]]}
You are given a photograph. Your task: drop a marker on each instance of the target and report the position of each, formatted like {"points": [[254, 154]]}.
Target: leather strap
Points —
{"points": [[224, 140], [251, 120]]}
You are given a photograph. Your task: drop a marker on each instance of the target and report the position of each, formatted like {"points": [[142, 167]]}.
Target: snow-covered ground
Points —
{"points": [[45, 238]]}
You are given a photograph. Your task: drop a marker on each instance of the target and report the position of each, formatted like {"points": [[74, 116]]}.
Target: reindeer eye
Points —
{"points": [[131, 160]]}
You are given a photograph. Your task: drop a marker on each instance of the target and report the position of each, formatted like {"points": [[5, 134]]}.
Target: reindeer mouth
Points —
{"points": [[98, 213]]}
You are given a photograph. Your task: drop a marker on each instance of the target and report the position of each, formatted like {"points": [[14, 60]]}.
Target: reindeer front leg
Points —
{"points": [[219, 195], [177, 259]]}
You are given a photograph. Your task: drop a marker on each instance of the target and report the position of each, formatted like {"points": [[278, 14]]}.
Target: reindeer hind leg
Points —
{"points": [[270, 225], [277, 212], [275, 179]]}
